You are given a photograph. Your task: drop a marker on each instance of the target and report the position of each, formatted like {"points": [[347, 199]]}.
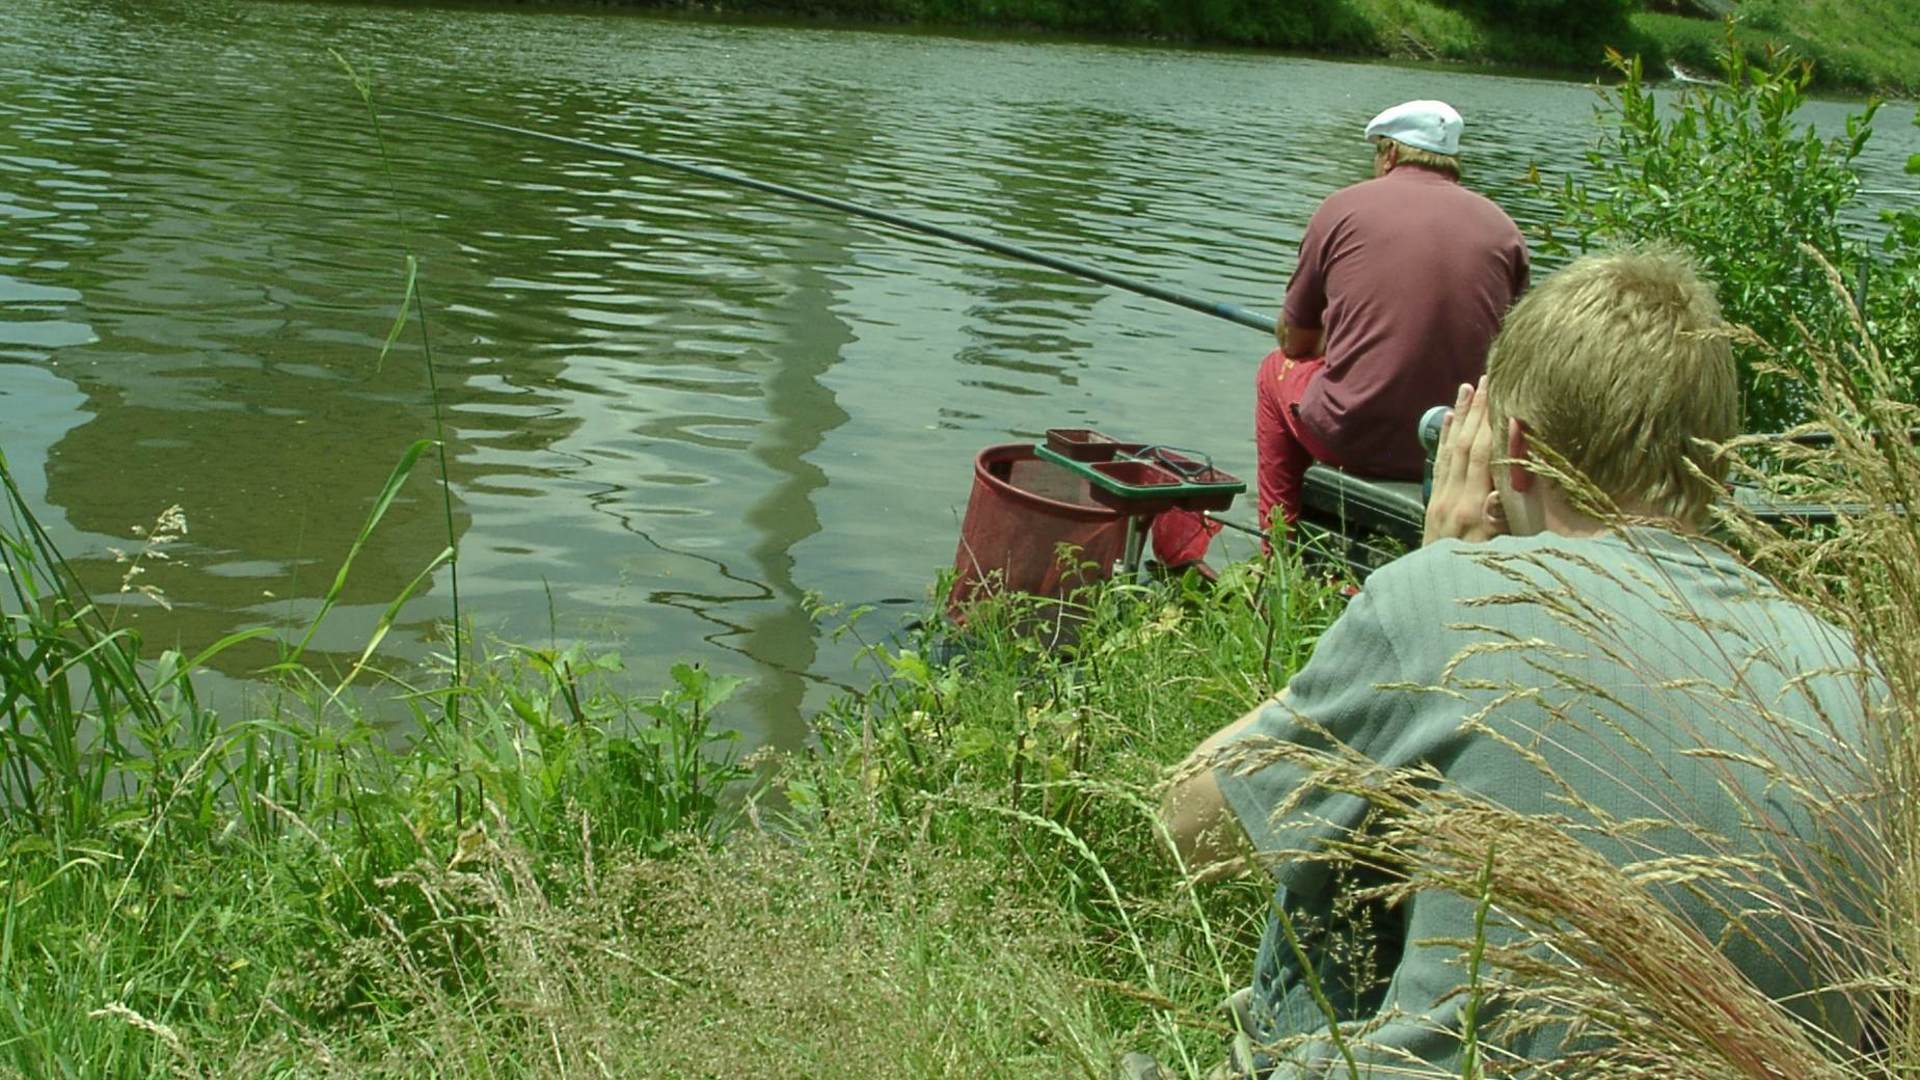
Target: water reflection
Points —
{"points": [[673, 408]]}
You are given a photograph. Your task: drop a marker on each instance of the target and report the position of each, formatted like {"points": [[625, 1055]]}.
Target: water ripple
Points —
{"points": [[673, 407]]}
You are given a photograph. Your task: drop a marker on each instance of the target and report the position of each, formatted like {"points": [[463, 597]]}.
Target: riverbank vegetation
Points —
{"points": [[1855, 46], [961, 877], [543, 874], [1768, 230]]}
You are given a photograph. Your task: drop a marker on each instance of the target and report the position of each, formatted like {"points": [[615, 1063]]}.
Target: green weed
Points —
{"points": [[174, 880], [1776, 186]]}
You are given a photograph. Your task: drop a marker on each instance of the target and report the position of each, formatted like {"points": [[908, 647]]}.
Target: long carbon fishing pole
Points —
{"points": [[1230, 312]]}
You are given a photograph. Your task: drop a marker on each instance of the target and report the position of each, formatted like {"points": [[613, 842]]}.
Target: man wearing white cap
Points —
{"points": [[1401, 284]]}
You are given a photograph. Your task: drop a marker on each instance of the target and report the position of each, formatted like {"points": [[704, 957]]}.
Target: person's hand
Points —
{"points": [[1464, 505]]}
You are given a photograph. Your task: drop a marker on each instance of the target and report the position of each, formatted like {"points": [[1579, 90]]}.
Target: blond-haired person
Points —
{"points": [[1585, 655], [1624, 369]]}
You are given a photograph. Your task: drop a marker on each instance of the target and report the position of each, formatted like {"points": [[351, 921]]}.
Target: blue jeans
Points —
{"points": [[1353, 947]]}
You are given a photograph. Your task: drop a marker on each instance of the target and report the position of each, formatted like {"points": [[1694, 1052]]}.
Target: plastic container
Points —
{"points": [[1135, 478], [1067, 440], [1144, 475], [1021, 511]]}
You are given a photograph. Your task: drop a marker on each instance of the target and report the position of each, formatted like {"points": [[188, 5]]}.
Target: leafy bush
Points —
{"points": [[1580, 19], [1893, 303], [1729, 172], [1763, 15]]}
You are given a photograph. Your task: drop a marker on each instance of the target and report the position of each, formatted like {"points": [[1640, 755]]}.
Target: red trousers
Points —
{"points": [[1283, 447], [1283, 450]]}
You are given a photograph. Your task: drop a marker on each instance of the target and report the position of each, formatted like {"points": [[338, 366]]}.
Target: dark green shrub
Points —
{"points": [[1730, 173], [1577, 19], [1893, 296], [1763, 15]]}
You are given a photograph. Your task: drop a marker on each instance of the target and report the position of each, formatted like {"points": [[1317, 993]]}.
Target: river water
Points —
{"points": [[674, 409]]}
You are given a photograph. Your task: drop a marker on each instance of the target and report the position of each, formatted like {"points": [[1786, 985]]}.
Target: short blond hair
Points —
{"points": [[1413, 155], [1622, 366]]}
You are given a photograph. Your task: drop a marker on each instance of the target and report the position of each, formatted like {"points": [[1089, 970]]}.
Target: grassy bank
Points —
{"points": [[962, 878], [1859, 45], [1856, 46], [196, 893]]}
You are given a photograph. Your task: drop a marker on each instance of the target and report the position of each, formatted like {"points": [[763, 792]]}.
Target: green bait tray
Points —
{"points": [[1140, 478]]}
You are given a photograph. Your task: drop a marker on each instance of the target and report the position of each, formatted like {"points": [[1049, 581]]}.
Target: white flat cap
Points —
{"points": [[1433, 126]]}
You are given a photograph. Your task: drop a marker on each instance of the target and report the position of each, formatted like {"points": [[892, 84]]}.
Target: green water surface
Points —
{"points": [[675, 408]]}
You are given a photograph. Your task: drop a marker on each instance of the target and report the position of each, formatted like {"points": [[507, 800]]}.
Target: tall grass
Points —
{"points": [[1039, 758], [172, 875], [965, 878]]}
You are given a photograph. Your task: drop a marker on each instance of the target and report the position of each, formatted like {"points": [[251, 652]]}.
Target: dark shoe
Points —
{"points": [[1240, 1057]]}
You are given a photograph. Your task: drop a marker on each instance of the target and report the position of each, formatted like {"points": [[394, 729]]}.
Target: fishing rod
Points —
{"points": [[1230, 312], [1232, 524]]}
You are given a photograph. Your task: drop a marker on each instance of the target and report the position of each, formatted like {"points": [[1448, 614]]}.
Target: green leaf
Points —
{"points": [[400, 316], [719, 690], [910, 666], [201, 658], [691, 677]]}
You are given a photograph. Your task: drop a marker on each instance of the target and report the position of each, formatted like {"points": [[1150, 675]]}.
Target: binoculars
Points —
{"points": [[1429, 432], [1429, 429]]}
